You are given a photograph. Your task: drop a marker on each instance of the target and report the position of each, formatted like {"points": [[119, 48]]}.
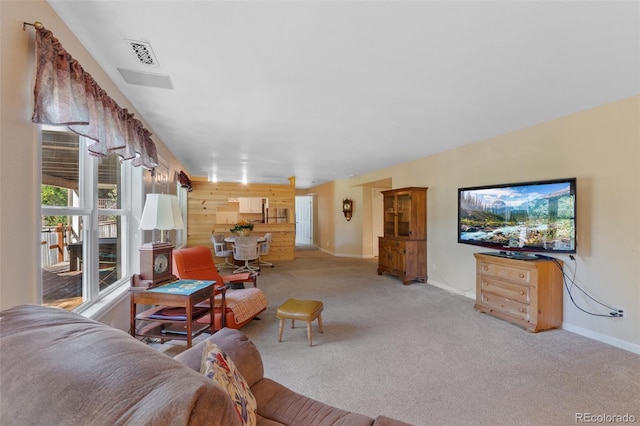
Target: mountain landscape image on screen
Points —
{"points": [[535, 217]]}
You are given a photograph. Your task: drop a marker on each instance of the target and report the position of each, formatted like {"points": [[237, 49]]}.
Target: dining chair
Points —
{"points": [[265, 247], [246, 249], [220, 250]]}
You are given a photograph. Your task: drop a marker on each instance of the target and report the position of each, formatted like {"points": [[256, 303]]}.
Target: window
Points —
{"points": [[84, 222]]}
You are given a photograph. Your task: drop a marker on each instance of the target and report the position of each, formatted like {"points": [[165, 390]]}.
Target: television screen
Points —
{"points": [[531, 216]]}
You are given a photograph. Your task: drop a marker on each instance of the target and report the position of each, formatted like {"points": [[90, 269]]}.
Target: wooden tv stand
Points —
{"points": [[527, 293]]}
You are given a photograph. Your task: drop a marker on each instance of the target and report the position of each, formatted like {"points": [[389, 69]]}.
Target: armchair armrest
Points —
{"points": [[243, 277], [222, 287]]}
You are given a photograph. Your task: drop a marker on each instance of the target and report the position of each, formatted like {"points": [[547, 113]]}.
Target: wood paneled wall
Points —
{"points": [[207, 197]]}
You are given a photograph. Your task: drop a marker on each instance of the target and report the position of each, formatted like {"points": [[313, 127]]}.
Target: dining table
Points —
{"points": [[232, 238]]}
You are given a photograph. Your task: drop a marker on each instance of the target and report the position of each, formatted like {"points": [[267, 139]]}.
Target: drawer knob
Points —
{"points": [[485, 268], [522, 310], [521, 275], [484, 283], [521, 293]]}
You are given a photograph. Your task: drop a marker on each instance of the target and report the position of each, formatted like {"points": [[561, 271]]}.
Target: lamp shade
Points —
{"points": [[161, 211]]}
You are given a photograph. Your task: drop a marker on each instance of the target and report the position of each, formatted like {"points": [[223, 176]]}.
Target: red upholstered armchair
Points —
{"points": [[196, 263]]}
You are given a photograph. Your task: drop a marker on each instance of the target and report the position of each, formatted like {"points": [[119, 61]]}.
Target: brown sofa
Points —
{"points": [[57, 367]]}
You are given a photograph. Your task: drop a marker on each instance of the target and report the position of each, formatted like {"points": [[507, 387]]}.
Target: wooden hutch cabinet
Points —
{"points": [[403, 248]]}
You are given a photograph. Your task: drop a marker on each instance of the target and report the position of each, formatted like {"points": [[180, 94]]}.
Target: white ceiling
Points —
{"points": [[325, 90]]}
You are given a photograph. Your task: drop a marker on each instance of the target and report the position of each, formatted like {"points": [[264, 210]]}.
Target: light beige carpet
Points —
{"points": [[424, 356]]}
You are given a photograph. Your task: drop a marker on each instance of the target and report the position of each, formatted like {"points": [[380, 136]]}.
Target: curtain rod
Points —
{"points": [[37, 25]]}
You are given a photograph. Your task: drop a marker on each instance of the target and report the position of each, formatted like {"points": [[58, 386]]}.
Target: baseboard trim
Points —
{"points": [[353, 256], [613, 341], [449, 289]]}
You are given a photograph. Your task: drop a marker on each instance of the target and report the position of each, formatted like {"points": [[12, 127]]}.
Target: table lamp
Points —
{"points": [[162, 212]]}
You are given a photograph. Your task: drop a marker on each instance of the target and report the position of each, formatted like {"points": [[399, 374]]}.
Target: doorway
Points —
{"points": [[304, 221]]}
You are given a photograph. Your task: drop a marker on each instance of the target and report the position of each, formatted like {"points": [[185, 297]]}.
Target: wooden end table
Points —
{"points": [[177, 294]]}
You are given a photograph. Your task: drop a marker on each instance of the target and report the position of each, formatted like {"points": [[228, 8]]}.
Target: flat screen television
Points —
{"points": [[516, 218]]}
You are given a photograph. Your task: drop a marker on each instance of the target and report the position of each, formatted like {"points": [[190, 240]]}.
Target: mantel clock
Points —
{"points": [[156, 264]]}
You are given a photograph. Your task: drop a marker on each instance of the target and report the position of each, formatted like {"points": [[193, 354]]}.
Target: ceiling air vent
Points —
{"points": [[143, 52]]}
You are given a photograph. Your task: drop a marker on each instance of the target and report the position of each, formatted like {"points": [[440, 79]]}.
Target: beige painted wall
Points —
{"points": [[19, 154], [335, 234], [600, 146], [325, 206]]}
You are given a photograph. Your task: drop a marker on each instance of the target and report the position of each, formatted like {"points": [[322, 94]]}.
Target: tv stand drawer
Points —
{"points": [[507, 306], [505, 289], [527, 293], [507, 272]]}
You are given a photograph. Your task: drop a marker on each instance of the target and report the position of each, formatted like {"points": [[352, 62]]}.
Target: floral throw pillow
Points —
{"points": [[217, 365]]}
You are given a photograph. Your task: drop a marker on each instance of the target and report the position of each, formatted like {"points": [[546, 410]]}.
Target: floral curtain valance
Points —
{"points": [[66, 94]]}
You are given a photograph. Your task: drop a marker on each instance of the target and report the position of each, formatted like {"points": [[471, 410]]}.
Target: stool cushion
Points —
{"points": [[299, 309]]}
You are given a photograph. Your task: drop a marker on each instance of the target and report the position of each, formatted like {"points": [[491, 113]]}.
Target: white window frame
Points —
{"points": [[88, 208]]}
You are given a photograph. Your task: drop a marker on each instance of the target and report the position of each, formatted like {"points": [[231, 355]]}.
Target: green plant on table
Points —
{"points": [[243, 224]]}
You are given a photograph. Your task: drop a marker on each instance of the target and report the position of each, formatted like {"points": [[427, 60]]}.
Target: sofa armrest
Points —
{"points": [[240, 349], [280, 404], [387, 421], [59, 368]]}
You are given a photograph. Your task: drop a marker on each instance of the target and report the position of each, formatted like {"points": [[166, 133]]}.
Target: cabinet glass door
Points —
{"points": [[404, 215], [389, 216]]}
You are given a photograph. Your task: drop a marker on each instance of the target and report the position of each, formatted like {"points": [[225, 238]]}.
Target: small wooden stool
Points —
{"points": [[299, 309]]}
